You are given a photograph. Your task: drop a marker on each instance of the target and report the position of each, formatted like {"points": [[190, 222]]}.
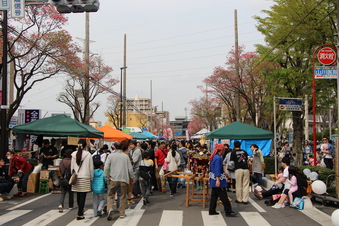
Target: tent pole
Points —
{"points": [[274, 136]]}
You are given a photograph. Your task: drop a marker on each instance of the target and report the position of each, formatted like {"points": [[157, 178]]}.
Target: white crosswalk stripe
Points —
{"points": [[132, 219], [213, 219], [251, 215], [318, 216], [254, 219], [45, 219], [168, 216], [89, 219], [12, 215]]}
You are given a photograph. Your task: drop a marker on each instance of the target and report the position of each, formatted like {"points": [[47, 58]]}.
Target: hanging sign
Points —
{"points": [[326, 56], [17, 8]]}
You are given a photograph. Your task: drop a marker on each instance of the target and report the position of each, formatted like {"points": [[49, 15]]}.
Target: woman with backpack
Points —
{"points": [[65, 170]]}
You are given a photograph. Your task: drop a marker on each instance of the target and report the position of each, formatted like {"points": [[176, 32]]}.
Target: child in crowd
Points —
{"points": [[98, 188], [145, 168], [291, 186]]}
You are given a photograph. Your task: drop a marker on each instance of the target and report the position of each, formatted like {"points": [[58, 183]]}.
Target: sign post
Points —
{"points": [[326, 55]]}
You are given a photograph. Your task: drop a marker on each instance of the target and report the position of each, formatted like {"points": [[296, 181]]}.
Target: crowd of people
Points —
{"points": [[131, 169]]}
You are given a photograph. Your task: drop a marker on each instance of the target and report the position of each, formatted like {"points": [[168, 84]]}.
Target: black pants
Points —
{"points": [[329, 163], [222, 194], [81, 198]]}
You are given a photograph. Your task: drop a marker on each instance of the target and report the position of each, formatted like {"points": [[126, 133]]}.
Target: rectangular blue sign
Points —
{"points": [[321, 72], [290, 104]]}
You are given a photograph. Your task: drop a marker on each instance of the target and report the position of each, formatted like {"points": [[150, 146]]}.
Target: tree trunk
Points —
{"points": [[297, 135]]}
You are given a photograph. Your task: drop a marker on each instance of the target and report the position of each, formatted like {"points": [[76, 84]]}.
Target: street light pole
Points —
{"points": [[120, 118]]}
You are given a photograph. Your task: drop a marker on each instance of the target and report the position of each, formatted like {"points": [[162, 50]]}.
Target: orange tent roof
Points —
{"points": [[114, 134]]}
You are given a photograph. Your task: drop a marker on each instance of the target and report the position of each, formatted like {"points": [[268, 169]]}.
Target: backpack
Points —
{"points": [[96, 157], [145, 172], [65, 178]]}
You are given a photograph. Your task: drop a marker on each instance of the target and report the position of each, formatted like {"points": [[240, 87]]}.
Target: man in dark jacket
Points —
{"points": [[6, 182]]}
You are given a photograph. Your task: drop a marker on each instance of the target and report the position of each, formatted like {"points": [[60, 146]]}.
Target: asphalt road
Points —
{"points": [[42, 209]]}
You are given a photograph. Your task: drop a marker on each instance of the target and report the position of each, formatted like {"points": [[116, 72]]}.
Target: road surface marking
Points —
{"points": [[132, 218], [12, 215], [254, 219], [46, 218], [139, 205], [171, 218], [89, 219], [256, 205], [25, 203], [212, 220], [318, 216]]}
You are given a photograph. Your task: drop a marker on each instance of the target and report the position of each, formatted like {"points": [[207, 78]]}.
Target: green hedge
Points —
{"points": [[269, 161], [323, 173]]}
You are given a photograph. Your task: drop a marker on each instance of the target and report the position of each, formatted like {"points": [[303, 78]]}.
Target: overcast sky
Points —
{"points": [[174, 43]]}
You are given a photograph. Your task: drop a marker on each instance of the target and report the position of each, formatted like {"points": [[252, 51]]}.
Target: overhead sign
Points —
{"points": [[17, 8], [326, 56], [290, 104], [325, 72], [4, 4]]}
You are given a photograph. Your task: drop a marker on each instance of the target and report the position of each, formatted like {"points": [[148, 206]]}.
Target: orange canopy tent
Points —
{"points": [[114, 134]]}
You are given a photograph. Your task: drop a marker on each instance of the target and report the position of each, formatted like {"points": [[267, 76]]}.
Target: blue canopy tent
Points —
{"points": [[150, 135], [246, 134]]}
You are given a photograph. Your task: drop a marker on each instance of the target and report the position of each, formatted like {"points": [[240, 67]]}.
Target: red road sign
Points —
{"points": [[327, 56]]}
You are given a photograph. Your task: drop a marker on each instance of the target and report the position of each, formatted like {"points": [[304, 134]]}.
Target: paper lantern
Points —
{"points": [[335, 217], [319, 187], [313, 176]]}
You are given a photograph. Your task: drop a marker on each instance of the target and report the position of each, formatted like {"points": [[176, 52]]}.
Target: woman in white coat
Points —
{"points": [[82, 165], [173, 162]]}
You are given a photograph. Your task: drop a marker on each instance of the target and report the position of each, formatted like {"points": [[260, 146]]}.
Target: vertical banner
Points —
{"points": [[17, 8], [4, 4]]}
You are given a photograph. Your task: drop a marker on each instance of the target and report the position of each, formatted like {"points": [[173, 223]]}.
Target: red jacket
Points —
{"points": [[17, 163]]}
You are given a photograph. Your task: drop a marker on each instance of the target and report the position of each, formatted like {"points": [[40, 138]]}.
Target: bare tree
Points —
{"points": [[113, 113], [38, 49], [99, 82]]}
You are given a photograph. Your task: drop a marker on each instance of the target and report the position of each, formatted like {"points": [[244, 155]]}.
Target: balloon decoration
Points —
{"points": [[335, 217], [307, 172], [313, 176], [319, 187]]}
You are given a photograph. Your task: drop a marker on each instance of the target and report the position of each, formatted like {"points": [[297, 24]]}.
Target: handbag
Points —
{"points": [[74, 178], [165, 166], [298, 203]]}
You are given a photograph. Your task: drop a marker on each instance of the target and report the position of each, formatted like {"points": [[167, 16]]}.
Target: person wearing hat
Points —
{"points": [[218, 182], [22, 169]]}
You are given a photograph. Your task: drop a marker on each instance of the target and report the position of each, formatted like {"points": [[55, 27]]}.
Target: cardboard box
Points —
{"points": [[33, 183], [44, 175]]}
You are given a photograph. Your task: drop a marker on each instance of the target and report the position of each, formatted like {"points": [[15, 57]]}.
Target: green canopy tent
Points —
{"points": [[139, 136], [246, 134], [58, 126], [238, 130]]}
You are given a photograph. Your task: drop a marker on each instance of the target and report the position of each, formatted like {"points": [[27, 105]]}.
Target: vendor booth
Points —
{"points": [[246, 134]]}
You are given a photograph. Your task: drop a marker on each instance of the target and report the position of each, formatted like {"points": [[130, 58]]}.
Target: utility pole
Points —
{"points": [[86, 91], [237, 96], [4, 134], [337, 158], [151, 118], [124, 87]]}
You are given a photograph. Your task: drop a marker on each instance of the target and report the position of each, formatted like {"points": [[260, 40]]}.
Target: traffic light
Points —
{"points": [[60, 6], [90, 5], [75, 6]]}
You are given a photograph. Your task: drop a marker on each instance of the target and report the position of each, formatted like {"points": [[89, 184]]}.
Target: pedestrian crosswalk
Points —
{"points": [[137, 214]]}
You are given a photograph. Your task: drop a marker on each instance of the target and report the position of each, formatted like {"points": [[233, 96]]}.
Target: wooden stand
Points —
{"points": [[190, 177]]}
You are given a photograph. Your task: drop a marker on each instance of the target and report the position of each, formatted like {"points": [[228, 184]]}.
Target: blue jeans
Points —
{"points": [[182, 181], [136, 186], [23, 181], [258, 177]]}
